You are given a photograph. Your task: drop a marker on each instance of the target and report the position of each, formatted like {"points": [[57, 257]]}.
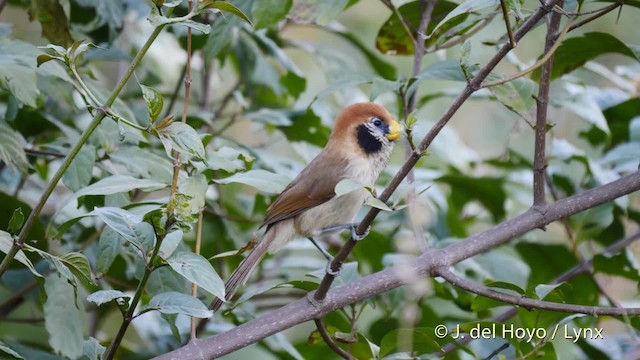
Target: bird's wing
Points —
{"points": [[314, 186]]}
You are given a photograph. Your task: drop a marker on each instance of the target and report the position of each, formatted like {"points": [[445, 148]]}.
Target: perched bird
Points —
{"points": [[358, 149]]}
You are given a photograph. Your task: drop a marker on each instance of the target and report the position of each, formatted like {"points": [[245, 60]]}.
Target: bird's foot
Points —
{"points": [[354, 232], [330, 271]]}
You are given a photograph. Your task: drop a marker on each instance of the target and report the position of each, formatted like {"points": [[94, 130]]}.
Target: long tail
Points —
{"points": [[245, 269]]}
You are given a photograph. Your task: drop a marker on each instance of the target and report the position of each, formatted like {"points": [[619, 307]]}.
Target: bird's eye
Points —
{"points": [[377, 122]]}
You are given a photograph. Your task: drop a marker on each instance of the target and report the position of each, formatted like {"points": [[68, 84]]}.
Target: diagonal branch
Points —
{"points": [[308, 308], [531, 304], [472, 86]]}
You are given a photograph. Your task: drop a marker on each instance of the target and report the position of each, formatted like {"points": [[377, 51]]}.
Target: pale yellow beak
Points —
{"points": [[395, 130]]}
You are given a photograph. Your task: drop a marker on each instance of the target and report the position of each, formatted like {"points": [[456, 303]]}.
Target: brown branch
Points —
{"points": [[308, 308], [580, 268], [472, 86], [542, 101], [507, 23], [531, 304], [327, 339]]}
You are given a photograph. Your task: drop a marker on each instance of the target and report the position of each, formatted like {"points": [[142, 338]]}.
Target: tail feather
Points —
{"points": [[242, 272]]}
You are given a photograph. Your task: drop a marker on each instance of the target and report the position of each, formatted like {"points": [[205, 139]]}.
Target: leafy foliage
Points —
{"points": [[118, 235]]}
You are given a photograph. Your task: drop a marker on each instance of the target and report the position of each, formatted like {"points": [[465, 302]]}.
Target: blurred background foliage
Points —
{"points": [[263, 98]]}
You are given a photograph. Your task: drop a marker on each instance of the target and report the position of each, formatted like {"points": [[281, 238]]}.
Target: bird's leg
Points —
{"points": [[327, 256], [352, 226]]}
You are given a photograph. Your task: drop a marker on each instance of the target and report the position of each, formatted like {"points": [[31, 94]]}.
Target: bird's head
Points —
{"points": [[367, 127]]}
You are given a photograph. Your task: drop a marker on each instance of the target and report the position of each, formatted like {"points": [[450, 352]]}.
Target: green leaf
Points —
{"points": [[575, 52], [144, 163], [306, 126], [16, 221], [223, 6], [183, 139], [506, 286], [621, 265], [154, 101], [260, 179], [195, 187], [129, 226], [117, 184], [11, 151], [6, 242], [58, 265], [469, 6], [516, 95], [228, 159], [312, 11], [267, 13], [109, 246], [346, 186], [53, 20], [377, 203], [393, 39], [41, 59], [104, 296], [18, 71], [80, 171], [7, 350], [542, 290], [120, 220], [170, 243], [178, 303], [487, 190], [382, 68], [78, 264], [62, 317], [92, 349], [198, 270]]}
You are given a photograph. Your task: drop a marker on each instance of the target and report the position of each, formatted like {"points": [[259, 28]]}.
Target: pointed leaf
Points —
{"points": [[223, 6], [104, 296], [154, 101], [79, 266], [181, 138], [6, 242], [62, 317], [178, 303], [260, 179], [198, 270]]}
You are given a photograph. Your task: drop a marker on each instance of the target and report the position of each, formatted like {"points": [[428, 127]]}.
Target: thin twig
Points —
{"points": [[327, 339], [538, 64], [460, 39], [604, 11], [542, 101], [507, 23], [403, 21], [497, 351], [194, 286], [528, 303]]}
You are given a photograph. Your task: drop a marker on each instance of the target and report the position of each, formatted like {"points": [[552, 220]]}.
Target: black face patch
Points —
{"points": [[367, 141]]}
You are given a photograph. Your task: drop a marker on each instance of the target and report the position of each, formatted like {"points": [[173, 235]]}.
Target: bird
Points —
{"points": [[358, 149]]}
